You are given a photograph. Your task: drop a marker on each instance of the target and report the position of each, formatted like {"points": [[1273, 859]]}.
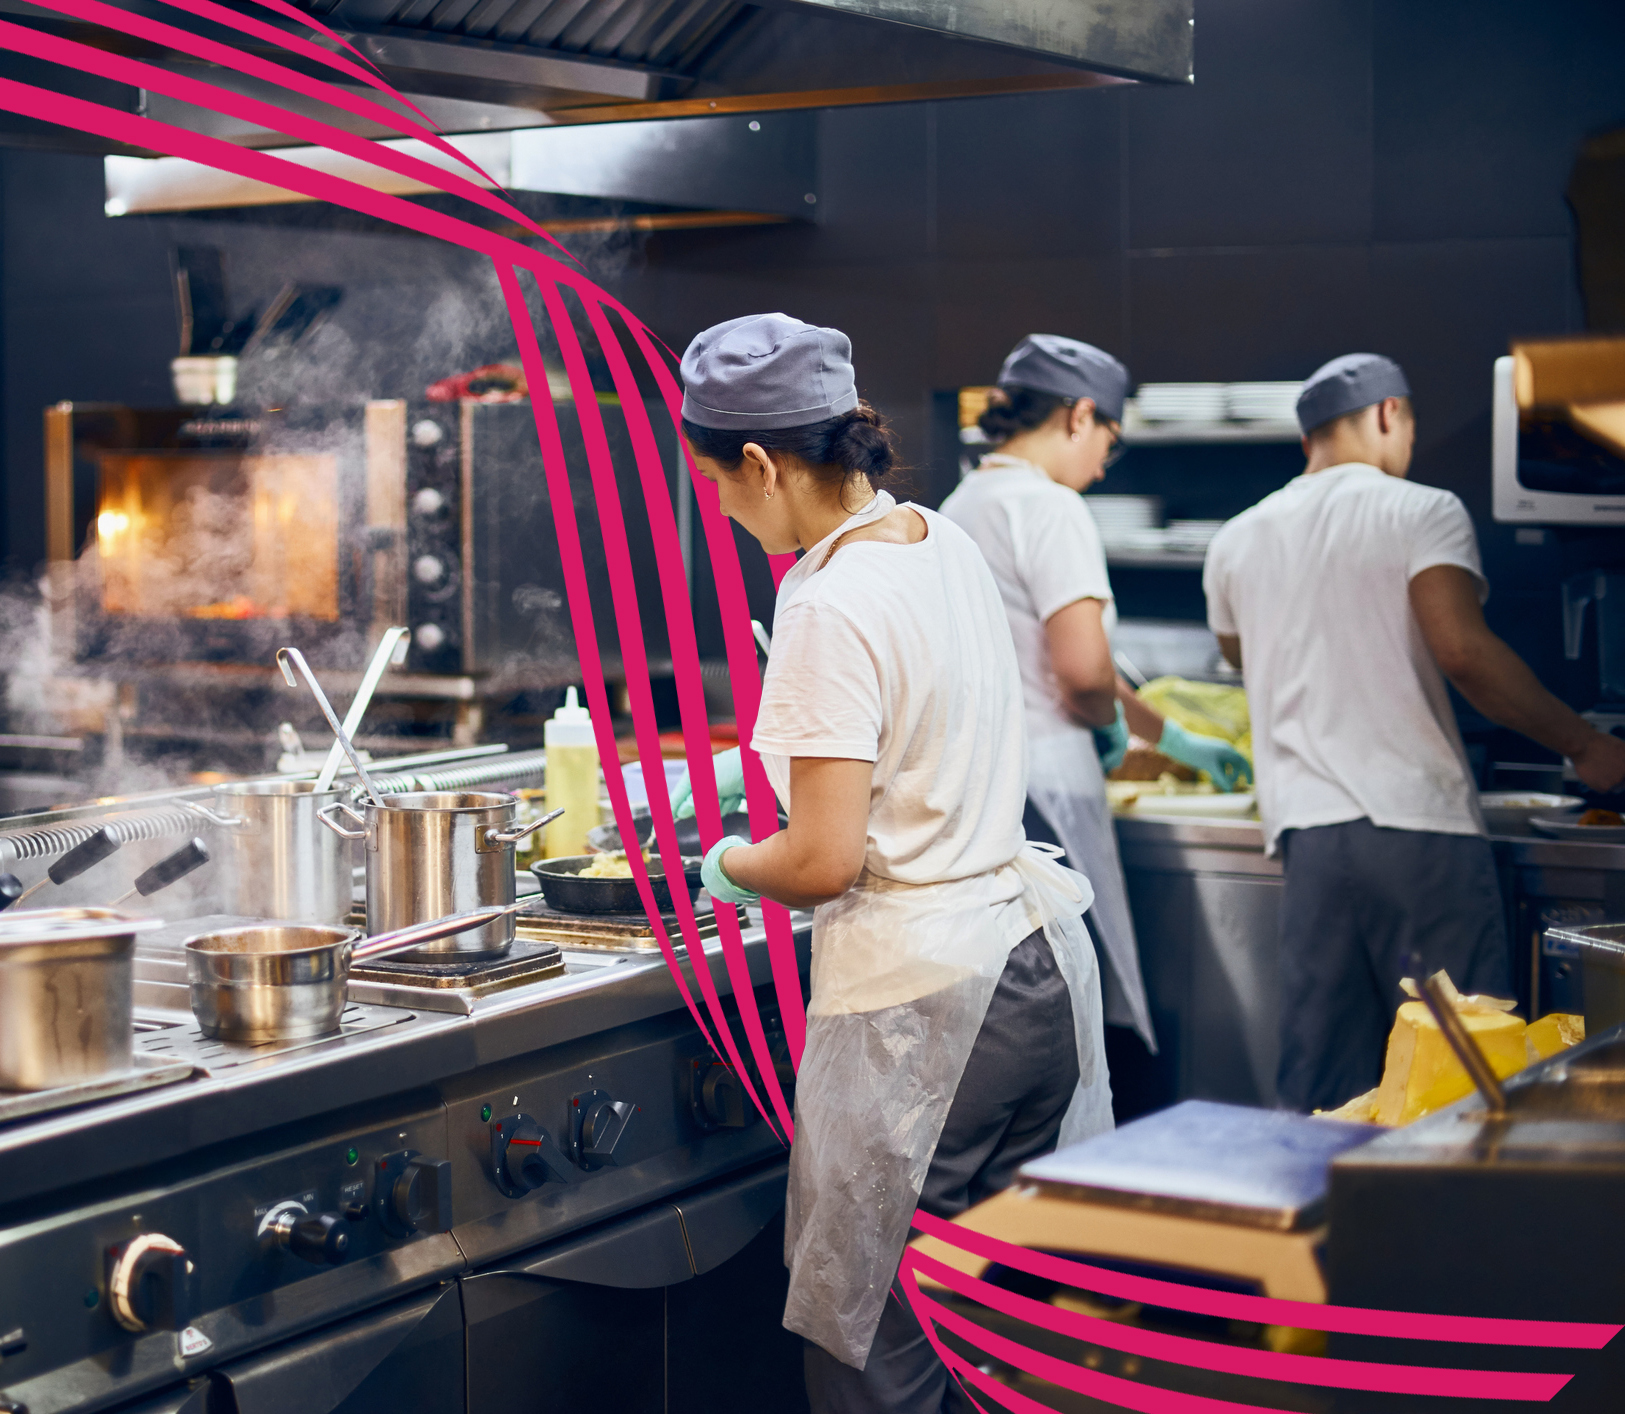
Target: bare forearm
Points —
{"points": [[1500, 685], [1143, 721], [787, 871], [1094, 708]]}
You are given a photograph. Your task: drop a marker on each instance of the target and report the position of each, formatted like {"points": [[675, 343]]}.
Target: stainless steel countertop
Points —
{"points": [[598, 993], [1141, 832]]}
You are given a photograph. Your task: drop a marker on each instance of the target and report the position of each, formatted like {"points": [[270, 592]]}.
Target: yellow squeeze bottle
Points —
{"points": [[572, 777]]}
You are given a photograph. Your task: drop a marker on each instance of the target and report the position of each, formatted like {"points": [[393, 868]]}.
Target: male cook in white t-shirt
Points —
{"points": [[1352, 594]]}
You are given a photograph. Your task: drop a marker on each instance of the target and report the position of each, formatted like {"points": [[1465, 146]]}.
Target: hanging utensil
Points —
{"points": [[166, 871], [1461, 1041], [75, 862], [289, 658], [391, 650], [285, 982], [11, 889]]}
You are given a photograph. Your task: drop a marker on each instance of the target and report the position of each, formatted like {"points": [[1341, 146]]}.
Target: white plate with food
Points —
{"points": [[1504, 809], [1589, 826]]}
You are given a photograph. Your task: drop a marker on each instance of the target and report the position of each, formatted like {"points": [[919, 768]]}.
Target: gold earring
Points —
{"points": [[768, 495]]}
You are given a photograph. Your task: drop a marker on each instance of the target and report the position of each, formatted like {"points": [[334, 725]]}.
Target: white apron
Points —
{"points": [[1065, 782], [902, 976]]}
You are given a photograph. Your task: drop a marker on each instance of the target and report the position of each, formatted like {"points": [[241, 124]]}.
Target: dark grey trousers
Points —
{"points": [[1358, 900], [1019, 1079]]}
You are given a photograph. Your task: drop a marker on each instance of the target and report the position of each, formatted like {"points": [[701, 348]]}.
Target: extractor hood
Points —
{"points": [[483, 65]]}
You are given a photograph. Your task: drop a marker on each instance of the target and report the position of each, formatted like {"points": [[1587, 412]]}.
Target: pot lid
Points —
{"points": [[67, 925]]}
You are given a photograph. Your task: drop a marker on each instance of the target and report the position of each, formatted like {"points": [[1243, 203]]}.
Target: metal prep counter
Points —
{"points": [[1206, 904]]}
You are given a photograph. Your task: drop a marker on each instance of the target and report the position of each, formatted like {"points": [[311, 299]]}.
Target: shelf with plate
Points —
{"points": [[1155, 559]]}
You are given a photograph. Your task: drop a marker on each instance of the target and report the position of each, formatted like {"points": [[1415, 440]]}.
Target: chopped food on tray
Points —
{"points": [[1606, 819], [614, 865], [1145, 763]]}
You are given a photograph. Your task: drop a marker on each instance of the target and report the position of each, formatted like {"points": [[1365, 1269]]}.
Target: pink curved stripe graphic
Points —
{"points": [[157, 32], [1238, 1360], [70, 54], [508, 257], [1348, 1320], [686, 666], [740, 646]]}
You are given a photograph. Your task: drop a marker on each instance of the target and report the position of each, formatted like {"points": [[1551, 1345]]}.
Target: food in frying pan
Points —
{"points": [[1607, 819], [614, 865]]}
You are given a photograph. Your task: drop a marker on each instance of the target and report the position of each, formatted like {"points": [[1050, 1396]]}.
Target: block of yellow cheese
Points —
{"points": [[1554, 1032], [1421, 1073]]}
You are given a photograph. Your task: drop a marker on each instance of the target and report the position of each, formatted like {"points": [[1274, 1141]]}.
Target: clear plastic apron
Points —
{"points": [[1065, 782], [902, 976]]}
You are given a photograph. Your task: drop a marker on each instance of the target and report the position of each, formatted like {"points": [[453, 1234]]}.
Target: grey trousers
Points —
{"points": [[1358, 900], [1019, 1079]]}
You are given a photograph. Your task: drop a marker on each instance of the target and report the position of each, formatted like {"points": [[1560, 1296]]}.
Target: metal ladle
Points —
{"points": [[391, 649], [289, 658]]}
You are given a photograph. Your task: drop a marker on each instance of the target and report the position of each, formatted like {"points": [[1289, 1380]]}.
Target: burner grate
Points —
{"points": [[529, 960]]}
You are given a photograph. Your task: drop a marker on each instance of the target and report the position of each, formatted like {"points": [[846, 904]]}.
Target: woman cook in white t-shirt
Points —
{"points": [[954, 1027], [1056, 420]]}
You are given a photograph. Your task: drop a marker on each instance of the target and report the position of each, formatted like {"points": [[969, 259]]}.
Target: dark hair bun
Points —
{"points": [[838, 447], [859, 441], [1012, 410]]}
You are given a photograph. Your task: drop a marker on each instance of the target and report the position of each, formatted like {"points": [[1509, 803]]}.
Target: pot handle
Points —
{"points": [[495, 836], [325, 815], [226, 822], [401, 938]]}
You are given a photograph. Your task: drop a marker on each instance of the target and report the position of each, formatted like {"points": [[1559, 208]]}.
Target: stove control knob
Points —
{"points": [[718, 1099], [599, 1123], [314, 1237], [149, 1284], [428, 569], [524, 1156], [412, 1193], [320, 1238]]}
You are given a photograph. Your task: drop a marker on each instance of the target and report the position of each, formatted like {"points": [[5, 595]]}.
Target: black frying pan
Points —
{"points": [[563, 887]]}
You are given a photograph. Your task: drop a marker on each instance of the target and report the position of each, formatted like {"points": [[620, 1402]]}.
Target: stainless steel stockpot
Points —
{"points": [[65, 983], [431, 853], [285, 981], [278, 862]]}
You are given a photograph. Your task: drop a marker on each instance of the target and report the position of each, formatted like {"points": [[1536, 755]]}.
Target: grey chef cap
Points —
{"points": [[1066, 368], [1346, 385], [765, 371]]}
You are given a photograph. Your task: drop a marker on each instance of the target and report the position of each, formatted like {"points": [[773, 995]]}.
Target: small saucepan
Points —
{"points": [[563, 887], [286, 981]]}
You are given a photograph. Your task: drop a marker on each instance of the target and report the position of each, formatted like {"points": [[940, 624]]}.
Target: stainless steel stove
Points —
{"points": [[521, 1158]]}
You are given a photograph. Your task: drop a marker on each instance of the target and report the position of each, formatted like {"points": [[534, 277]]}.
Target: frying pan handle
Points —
{"points": [[495, 836], [325, 815], [226, 822], [403, 938]]}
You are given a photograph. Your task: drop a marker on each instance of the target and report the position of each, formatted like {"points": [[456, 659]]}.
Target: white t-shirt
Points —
{"points": [[1351, 715], [1042, 546], [900, 655]]}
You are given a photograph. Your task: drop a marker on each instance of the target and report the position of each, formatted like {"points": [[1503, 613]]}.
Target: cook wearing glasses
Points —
{"points": [[1055, 419]]}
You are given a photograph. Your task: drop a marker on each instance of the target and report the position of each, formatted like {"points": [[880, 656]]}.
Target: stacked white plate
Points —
{"points": [[1181, 402], [1123, 520], [1191, 535], [1262, 402]]}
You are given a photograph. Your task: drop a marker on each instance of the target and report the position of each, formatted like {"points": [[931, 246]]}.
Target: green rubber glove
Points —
{"points": [[730, 769], [715, 877], [1112, 742], [1226, 767]]}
